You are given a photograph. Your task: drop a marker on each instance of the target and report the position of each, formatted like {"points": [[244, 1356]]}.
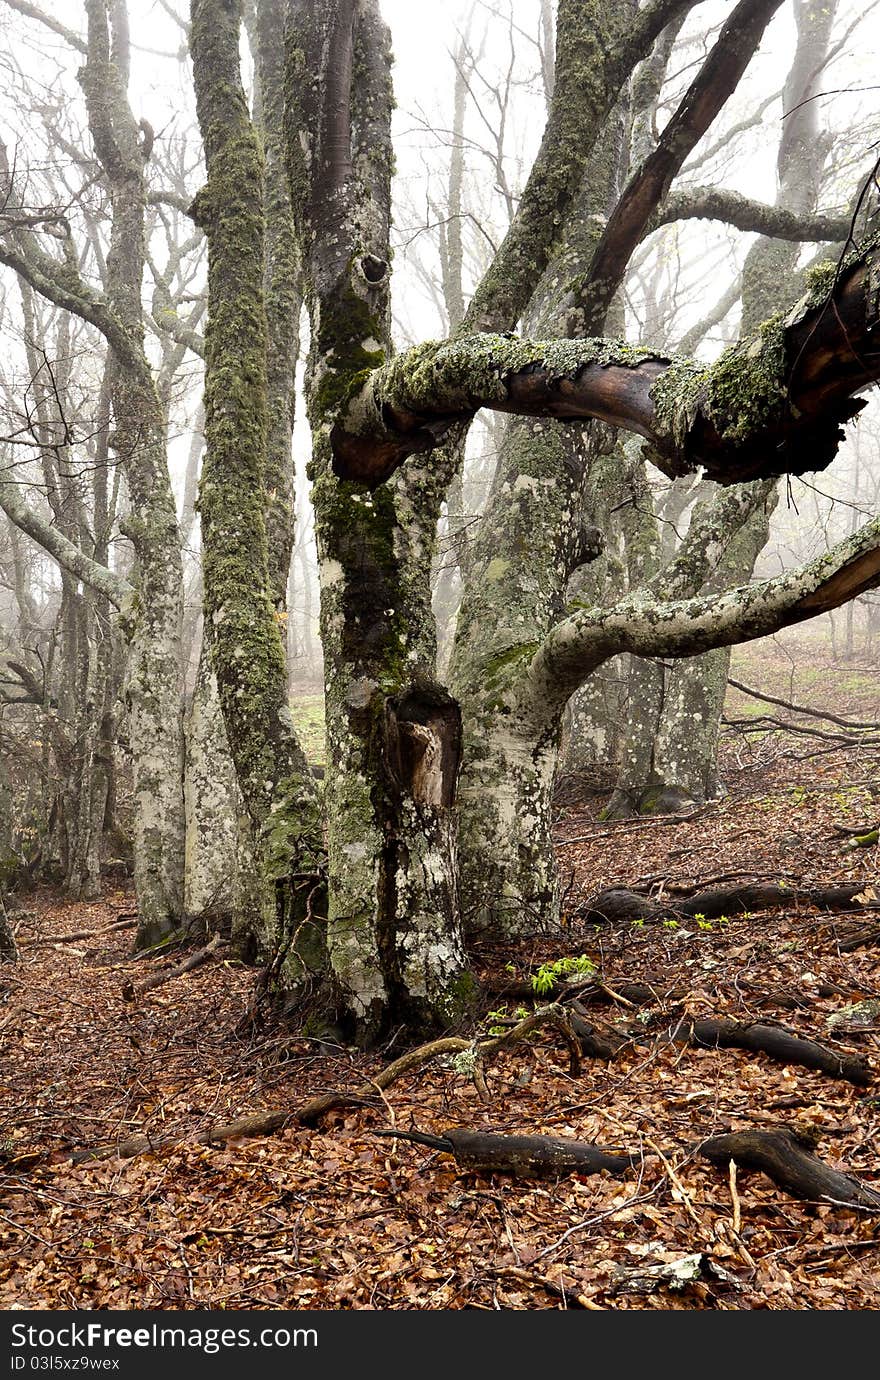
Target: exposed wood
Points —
{"points": [[784, 1157], [785, 1045], [618, 904], [408, 406], [525, 1157]]}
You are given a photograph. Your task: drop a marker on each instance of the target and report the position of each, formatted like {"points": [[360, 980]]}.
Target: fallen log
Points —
{"points": [[785, 1045], [131, 991], [525, 1157], [619, 904], [788, 1160]]}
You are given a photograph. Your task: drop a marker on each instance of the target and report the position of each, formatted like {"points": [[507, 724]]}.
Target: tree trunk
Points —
{"points": [[153, 678], [242, 586], [215, 823], [535, 535], [669, 758], [393, 734]]}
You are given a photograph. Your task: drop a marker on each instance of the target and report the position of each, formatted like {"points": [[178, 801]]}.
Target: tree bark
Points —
{"points": [[152, 689], [241, 591], [393, 734]]}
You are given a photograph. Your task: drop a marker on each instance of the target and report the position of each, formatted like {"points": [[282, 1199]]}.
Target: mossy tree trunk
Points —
{"points": [[393, 734], [153, 688], [670, 750], [536, 536], [394, 936], [217, 863], [242, 587]]}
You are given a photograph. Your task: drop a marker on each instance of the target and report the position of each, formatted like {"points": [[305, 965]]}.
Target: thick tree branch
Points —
{"points": [[34, 12], [645, 28], [772, 404], [720, 203], [647, 627], [61, 284], [716, 81], [68, 555], [597, 47]]}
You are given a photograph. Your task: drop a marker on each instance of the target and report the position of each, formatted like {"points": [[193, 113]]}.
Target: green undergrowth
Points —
{"points": [[308, 719]]}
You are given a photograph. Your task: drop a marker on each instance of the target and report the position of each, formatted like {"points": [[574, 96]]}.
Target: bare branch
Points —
{"points": [[34, 12], [716, 81], [752, 217]]}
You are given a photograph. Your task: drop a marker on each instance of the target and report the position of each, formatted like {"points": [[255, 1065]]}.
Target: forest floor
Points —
{"points": [[335, 1217]]}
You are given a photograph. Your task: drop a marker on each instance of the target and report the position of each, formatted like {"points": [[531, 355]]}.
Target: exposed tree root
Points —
{"points": [[860, 941], [131, 990], [785, 1045], [618, 904], [311, 1112], [788, 1160], [596, 1041], [525, 1157]]}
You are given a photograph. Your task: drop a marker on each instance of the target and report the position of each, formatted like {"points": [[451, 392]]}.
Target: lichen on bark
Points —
{"points": [[248, 654]]}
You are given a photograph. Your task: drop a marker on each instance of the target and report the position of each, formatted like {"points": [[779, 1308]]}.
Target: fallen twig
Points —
{"points": [[311, 1112], [569, 1297], [72, 936], [131, 990], [799, 708]]}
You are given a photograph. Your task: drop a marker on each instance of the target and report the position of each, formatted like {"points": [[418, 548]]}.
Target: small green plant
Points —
{"points": [[498, 1020], [550, 973], [670, 924], [704, 924]]}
